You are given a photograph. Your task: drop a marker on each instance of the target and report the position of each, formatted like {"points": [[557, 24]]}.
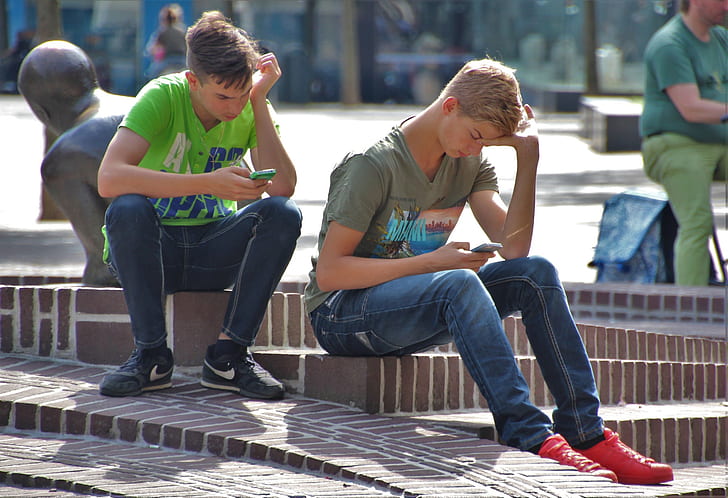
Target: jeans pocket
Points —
{"points": [[361, 343]]}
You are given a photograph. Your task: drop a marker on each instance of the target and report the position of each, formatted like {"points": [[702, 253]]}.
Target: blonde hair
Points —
{"points": [[487, 90]]}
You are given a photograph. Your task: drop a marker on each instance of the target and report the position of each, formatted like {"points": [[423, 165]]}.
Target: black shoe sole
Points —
{"points": [[243, 392], [147, 388]]}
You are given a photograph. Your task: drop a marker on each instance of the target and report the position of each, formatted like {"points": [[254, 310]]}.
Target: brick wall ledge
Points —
{"points": [[91, 324]]}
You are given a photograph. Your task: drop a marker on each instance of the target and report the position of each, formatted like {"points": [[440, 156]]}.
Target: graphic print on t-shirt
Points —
{"points": [[200, 206], [413, 231]]}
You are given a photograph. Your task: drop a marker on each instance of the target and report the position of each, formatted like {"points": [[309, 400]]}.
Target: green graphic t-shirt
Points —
{"points": [[674, 56], [179, 144], [383, 193]]}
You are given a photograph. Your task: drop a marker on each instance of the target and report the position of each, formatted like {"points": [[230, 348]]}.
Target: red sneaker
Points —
{"points": [[630, 466], [556, 448]]}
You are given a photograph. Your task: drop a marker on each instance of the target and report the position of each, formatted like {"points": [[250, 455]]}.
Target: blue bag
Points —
{"points": [[636, 237]]}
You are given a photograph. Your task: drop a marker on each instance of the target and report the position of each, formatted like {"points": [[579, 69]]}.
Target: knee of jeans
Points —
{"points": [[132, 207], [543, 272], [459, 281], [286, 214]]}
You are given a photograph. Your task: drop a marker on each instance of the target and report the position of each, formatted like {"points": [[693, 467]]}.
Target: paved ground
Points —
{"points": [[296, 447], [573, 183]]}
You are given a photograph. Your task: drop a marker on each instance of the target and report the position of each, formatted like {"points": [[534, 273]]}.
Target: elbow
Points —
{"points": [[103, 191], [105, 186], [323, 282], [691, 115], [324, 279], [515, 252], [282, 191]]}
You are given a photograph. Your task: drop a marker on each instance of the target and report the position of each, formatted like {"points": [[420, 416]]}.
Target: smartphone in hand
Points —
{"points": [[263, 174], [488, 247]]}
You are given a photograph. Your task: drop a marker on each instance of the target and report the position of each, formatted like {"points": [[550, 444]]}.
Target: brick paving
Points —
{"points": [[190, 441]]}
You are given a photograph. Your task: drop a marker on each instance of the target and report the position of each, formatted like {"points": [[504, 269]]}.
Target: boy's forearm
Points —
{"points": [[518, 227], [131, 179], [271, 153], [353, 272]]}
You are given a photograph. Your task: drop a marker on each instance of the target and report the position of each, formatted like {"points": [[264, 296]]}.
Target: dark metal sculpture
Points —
{"points": [[58, 80]]}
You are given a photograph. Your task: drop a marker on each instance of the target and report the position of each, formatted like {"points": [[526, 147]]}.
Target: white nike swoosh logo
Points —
{"points": [[154, 375], [225, 374]]}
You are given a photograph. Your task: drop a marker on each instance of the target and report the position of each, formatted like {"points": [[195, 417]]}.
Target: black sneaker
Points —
{"points": [[240, 373], [141, 372]]}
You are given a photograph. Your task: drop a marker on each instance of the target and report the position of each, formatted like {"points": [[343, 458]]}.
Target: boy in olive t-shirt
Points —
{"points": [[388, 282], [174, 168]]}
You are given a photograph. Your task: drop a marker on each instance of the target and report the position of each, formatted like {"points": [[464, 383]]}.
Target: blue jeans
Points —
{"points": [[248, 250], [418, 312]]}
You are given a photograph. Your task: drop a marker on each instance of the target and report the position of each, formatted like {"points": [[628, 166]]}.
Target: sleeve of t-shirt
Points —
{"points": [[486, 178], [357, 190], [151, 112], [671, 66]]}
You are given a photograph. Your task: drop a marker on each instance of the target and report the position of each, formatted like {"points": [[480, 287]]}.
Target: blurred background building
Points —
{"points": [[378, 51]]}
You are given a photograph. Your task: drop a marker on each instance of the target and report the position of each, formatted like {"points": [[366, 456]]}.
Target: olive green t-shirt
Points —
{"points": [[383, 193], [674, 56]]}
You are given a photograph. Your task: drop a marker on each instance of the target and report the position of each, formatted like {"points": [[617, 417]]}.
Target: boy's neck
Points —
{"points": [[420, 134]]}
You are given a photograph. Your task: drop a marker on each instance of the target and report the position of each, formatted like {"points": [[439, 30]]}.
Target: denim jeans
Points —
{"points": [[248, 251], [418, 312]]}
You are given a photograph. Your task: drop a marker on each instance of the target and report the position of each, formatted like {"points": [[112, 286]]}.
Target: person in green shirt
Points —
{"points": [[175, 170], [684, 135], [388, 282]]}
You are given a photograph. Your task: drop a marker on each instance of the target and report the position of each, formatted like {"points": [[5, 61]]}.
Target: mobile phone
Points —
{"points": [[264, 174], [488, 247]]}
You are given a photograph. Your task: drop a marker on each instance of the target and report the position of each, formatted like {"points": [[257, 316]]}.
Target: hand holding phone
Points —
{"points": [[488, 247], [263, 174]]}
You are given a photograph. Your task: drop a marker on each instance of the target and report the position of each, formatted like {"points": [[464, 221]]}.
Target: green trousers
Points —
{"points": [[686, 169]]}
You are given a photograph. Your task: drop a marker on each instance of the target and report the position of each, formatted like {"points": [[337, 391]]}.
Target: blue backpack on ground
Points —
{"points": [[636, 237]]}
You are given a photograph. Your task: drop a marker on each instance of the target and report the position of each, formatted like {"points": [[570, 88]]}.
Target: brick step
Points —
{"points": [[92, 325], [634, 302], [436, 381], [58, 399], [68, 466], [679, 433]]}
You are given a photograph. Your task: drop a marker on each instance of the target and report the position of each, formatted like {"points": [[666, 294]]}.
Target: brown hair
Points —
{"points": [[684, 5], [487, 90], [217, 48]]}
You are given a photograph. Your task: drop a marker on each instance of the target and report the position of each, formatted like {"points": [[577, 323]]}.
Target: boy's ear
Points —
{"points": [[193, 80], [449, 105]]}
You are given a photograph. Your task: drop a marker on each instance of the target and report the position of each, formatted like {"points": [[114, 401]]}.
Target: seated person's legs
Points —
{"points": [[686, 169], [248, 251], [417, 312], [532, 286], [134, 236]]}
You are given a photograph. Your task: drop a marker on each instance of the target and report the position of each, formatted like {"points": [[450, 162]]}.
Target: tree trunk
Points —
{"points": [[591, 75], [350, 90]]}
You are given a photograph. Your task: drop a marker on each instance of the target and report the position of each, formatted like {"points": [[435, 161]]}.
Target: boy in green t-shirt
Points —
{"points": [[683, 125], [387, 281], [175, 170]]}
